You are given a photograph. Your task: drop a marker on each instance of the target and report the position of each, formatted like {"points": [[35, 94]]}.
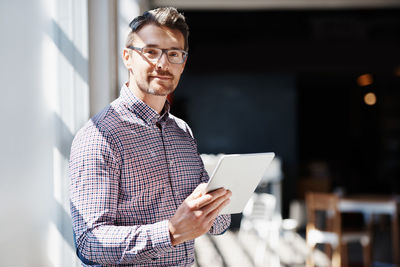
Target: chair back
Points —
{"points": [[331, 231], [323, 206]]}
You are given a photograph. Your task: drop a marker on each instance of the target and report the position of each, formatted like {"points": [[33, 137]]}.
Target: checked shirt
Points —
{"points": [[130, 169]]}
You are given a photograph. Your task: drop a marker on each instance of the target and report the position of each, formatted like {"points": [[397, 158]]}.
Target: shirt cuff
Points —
{"points": [[161, 239], [220, 225]]}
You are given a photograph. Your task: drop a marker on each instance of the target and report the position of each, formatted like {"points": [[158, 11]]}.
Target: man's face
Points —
{"points": [[158, 77]]}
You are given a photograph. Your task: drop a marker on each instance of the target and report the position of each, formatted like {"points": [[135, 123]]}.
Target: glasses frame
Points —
{"points": [[163, 51]]}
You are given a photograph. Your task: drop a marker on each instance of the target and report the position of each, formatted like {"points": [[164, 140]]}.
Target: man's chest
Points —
{"points": [[160, 168]]}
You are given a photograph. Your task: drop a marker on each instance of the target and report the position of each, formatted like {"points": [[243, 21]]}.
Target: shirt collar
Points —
{"points": [[142, 110]]}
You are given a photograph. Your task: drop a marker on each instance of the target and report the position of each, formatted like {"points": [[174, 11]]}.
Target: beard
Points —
{"points": [[156, 86], [159, 90]]}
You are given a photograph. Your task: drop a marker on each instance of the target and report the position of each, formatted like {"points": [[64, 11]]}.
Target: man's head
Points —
{"points": [[164, 16], [156, 51]]}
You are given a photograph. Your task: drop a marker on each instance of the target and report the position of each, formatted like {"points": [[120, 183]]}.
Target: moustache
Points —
{"points": [[163, 73]]}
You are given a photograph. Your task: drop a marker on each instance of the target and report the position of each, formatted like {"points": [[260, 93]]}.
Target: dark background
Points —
{"points": [[286, 81]]}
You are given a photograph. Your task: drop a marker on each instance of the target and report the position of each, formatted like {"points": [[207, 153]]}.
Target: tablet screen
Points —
{"points": [[240, 173]]}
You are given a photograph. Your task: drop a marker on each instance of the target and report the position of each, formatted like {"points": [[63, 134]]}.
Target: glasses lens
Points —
{"points": [[175, 56], [151, 53]]}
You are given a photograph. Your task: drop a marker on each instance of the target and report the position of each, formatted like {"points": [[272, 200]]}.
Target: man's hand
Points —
{"points": [[195, 216]]}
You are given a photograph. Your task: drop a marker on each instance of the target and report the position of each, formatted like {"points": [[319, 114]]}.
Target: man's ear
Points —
{"points": [[127, 58]]}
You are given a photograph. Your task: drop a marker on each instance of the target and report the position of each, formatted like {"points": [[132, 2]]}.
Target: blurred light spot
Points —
{"points": [[370, 99], [365, 80], [289, 224], [397, 71]]}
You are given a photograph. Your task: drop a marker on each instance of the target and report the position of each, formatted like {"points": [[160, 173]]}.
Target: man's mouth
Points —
{"points": [[161, 77]]}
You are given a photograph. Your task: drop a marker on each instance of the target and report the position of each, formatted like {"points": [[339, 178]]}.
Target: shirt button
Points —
{"points": [[171, 162]]}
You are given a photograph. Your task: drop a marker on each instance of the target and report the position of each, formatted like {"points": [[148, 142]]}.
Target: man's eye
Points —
{"points": [[150, 52], [174, 54]]}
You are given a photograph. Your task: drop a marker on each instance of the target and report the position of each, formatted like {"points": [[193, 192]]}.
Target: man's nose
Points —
{"points": [[162, 62]]}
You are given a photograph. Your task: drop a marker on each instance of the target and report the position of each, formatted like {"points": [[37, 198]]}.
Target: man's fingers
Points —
{"points": [[203, 200], [200, 202], [201, 188], [214, 213], [218, 192], [198, 191], [206, 199], [217, 203]]}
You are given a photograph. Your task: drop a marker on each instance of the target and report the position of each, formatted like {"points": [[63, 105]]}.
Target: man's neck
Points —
{"points": [[154, 101]]}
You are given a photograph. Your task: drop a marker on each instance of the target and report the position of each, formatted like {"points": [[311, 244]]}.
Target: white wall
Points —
{"points": [[48, 63], [102, 53], [127, 10], [108, 27], [44, 100]]}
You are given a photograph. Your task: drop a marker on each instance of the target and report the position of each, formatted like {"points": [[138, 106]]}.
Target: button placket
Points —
{"points": [[168, 155], [171, 163]]}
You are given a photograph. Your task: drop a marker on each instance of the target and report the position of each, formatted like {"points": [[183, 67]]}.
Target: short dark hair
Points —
{"points": [[163, 16]]}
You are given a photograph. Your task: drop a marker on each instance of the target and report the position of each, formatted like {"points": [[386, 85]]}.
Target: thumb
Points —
{"points": [[199, 191]]}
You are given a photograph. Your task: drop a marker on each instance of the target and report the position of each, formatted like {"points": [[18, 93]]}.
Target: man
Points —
{"points": [[137, 182]]}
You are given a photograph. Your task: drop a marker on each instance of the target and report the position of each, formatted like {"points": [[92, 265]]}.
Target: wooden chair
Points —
{"points": [[325, 205]]}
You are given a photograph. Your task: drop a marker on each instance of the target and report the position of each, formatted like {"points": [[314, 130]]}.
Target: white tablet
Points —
{"points": [[240, 173]]}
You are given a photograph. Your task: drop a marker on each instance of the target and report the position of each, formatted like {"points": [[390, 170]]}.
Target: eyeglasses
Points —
{"points": [[153, 54]]}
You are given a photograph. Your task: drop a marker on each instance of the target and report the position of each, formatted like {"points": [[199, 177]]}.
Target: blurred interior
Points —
{"points": [[318, 87], [293, 82]]}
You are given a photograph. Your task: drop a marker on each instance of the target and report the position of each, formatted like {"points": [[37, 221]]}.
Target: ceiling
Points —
{"points": [[276, 4]]}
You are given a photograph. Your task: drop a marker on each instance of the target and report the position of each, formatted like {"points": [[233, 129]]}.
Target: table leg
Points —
{"points": [[396, 237]]}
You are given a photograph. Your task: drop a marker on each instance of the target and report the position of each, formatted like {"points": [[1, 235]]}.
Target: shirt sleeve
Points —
{"points": [[94, 169]]}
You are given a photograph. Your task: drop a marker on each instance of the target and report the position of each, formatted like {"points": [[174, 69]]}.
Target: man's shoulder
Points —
{"points": [[105, 122], [106, 117], [97, 137]]}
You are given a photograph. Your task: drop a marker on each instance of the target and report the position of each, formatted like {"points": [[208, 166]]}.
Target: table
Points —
{"points": [[370, 205]]}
